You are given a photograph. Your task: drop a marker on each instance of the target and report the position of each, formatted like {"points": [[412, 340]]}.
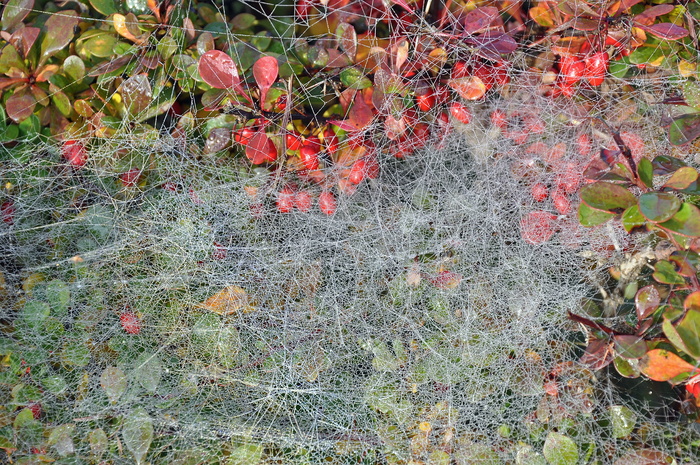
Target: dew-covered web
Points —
{"points": [[414, 324]]}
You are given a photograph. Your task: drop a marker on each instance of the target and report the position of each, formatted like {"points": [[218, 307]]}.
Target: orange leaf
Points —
{"points": [[662, 365], [469, 88], [230, 300]]}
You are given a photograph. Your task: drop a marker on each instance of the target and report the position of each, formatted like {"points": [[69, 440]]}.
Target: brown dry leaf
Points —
{"points": [[228, 301]]}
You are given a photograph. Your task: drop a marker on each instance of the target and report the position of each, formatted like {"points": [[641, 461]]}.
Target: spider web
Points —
{"points": [[412, 325]]}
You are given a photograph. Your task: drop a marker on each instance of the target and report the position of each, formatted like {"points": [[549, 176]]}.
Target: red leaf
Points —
{"points": [[265, 71], [479, 19], [260, 149], [360, 113], [20, 105], [666, 31], [662, 365], [648, 16], [218, 70]]}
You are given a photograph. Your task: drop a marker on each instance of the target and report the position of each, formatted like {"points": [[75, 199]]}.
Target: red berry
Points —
{"points": [[243, 135], [74, 151], [498, 119], [130, 322], [459, 70], [571, 69], [302, 200], [426, 101], [537, 227], [308, 153], [293, 140], [539, 192], [358, 171], [330, 140], [460, 112], [327, 203], [596, 66], [130, 178], [7, 212], [35, 408], [285, 200], [561, 202]]}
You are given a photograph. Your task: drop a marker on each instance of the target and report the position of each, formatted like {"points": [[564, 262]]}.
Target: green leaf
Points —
{"points": [[24, 417], [74, 68], [58, 295], [58, 32], [101, 46], [15, 11], [138, 433], [687, 330], [105, 7], [243, 21], [658, 206], [691, 93], [684, 129], [627, 368], [665, 273], [605, 196], [686, 222], [354, 78], [590, 217], [247, 454], [663, 165], [645, 170], [682, 178], [98, 442], [75, 354], [622, 421], [148, 371], [631, 218], [34, 313], [61, 438], [113, 381], [560, 450]]}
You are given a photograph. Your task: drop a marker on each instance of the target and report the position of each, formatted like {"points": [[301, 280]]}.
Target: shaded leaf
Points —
{"points": [[348, 39], [645, 171], [606, 196], [113, 381], [684, 129], [227, 301], [360, 113], [622, 421], [137, 432], [686, 222], [682, 178], [148, 371], [628, 346], [664, 164], [265, 71], [662, 365], [658, 206], [646, 301], [560, 450], [58, 32], [61, 438], [218, 70]]}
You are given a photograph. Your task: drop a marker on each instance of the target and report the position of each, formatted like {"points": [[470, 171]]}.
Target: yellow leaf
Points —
{"points": [[230, 300], [686, 68]]}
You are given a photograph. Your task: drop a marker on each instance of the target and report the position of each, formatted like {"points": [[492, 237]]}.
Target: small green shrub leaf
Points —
{"points": [[354, 78], [58, 32], [61, 438], [658, 206], [663, 165], [98, 442], [148, 372], [105, 7], [560, 450], [622, 421], [665, 273], [113, 381], [138, 433], [682, 179], [687, 330], [15, 11], [58, 295], [629, 368], [631, 218], [684, 129], [34, 313], [608, 197], [590, 217], [686, 222], [647, 301], [645, 170]]}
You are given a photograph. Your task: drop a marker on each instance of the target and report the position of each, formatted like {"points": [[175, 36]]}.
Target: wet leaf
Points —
{"points": [[218, 70], [265, 71], [629, 347], [58, 32], [58, 295], [682, 178], [127, 27], [686, 222], [148, 371], [113, 381], [34, 313], [98, 442], [105, 7], [560, 450], [658, 206], [243, 21], [20, 105], [137, 94], [260, 148], [684, 129], [662, 365], [646, 301], [590, 217], [354, 78], [622, 421], [348, 39], [469, 88], [15, 11], [74, 68], [627, 368], [61, 438], [360, 113], [228, 301], [665, 273], [137, 432], [605, 196]]}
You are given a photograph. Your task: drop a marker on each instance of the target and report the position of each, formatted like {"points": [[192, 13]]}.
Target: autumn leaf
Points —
{"points": [[230, 300], [662, 365]]}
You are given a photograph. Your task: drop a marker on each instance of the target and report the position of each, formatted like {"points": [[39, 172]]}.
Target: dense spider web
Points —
{"points": [[348, 347]]}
